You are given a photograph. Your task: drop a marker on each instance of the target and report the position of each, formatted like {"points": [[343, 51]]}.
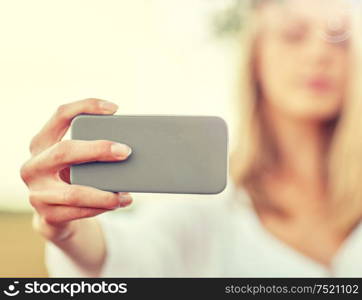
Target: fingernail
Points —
{"points": [[121, 150], [108, 106], [124, 199]]}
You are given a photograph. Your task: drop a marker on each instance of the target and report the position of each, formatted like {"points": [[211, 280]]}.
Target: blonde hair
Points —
{"points": [[254, 152]]}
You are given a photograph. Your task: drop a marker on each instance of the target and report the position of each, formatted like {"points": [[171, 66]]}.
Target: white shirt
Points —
{"points": [[203, 237]]}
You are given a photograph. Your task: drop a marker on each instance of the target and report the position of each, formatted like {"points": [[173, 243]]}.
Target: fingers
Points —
{"points": [[68, 152], [59, 214], [45, 173], [55, 129], [79, 196]]}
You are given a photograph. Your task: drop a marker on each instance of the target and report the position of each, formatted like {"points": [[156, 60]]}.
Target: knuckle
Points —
{"points": [[25, 172], [93, 102], [111, 201], [50, 218], [33, 199], [71, 196], [99, 148], [65, 144], [103, 146], [58, 156], [59, 151], [61, 111]]}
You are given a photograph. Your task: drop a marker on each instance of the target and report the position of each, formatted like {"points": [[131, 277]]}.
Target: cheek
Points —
{"points": [[341, 72], [276, 71]]}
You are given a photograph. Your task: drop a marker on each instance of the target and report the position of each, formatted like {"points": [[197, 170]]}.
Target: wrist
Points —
{"points": [[59, 233]]}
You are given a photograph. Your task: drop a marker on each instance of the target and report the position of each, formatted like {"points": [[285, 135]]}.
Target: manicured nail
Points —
{"points": [[108, 106], [124, 199], [121, 150]]}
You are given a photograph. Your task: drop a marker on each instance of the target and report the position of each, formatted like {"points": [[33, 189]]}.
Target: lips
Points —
{"points": [[319, 84]]}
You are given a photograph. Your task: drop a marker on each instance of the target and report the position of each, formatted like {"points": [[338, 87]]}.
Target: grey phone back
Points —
{"points": [[170, 153]]}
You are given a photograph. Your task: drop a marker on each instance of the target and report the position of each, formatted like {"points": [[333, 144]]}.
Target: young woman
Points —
{"points": [[293, 203]]}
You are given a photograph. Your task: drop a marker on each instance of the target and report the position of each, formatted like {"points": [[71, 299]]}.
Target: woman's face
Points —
{"points": [[301, 57]]}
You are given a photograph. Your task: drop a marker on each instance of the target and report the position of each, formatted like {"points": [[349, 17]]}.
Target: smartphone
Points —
{"points": [[170, 153]]}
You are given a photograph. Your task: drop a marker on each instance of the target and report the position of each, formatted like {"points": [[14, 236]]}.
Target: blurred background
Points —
{"points": [[148, 56]]}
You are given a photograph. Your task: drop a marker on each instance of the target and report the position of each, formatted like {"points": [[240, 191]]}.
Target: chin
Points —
{"points": [[314, 115], [321, 109]]}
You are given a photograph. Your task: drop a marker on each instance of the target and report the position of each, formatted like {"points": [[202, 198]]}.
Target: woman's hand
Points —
{"points": [[60, 206]]}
